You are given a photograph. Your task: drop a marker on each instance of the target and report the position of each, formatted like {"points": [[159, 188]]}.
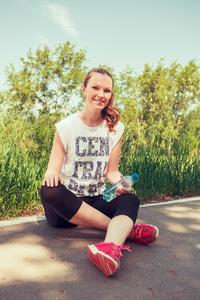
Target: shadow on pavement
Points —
{"points": [[41, 262]]}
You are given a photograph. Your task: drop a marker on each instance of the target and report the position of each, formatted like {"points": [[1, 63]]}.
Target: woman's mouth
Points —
{"points": [[99, 100]]}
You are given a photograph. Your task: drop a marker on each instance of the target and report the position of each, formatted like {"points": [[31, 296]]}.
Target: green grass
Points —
{"points": [[164, 173], [21, 174], [161, 173]]}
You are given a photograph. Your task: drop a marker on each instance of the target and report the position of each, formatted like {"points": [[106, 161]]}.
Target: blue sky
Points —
{"points": [[117, 33]]}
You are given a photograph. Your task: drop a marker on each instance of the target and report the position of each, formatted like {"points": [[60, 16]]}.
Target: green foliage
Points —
{"points": [[156, 103], [24, 157], [130, 108], [163, 173], [162, 137], [191, 128], [20, 175], [47, 80], [160, 109]]}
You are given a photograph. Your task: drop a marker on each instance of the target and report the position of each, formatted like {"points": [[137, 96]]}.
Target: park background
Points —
{"points": [[153, 51]]}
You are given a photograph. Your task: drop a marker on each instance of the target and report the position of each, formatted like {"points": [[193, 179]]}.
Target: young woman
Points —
{"points": [[85, 151]]}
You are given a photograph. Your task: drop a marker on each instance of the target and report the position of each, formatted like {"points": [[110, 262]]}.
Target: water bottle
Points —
{"points": [[126, 182]]}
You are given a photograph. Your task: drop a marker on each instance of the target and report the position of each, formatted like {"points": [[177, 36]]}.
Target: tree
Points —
{"points": [[155, 104], [46, 80], [130, 107], [166, 94], [191, 128]]}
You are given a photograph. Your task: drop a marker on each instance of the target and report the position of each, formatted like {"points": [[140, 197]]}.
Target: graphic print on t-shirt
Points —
{"points": [[88, 169]]}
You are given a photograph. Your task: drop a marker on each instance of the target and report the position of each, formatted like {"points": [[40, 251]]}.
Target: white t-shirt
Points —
{"points": [[87, 152]]}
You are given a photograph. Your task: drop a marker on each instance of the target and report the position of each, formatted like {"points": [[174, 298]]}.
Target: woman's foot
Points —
{"points": [[106, 256], [143, 234]]}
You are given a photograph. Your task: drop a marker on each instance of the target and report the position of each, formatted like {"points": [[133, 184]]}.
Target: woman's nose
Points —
{"points": [[101, 93]]}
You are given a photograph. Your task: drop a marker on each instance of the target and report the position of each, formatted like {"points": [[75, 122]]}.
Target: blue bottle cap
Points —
{"points": [[135, 176]]}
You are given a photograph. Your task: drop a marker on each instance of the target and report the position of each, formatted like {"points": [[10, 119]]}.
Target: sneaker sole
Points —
{"points": [[104, 262], [157, 234]]}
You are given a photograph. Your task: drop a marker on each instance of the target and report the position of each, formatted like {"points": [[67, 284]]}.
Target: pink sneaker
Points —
{"points": [[106, 256], [143, 234]]}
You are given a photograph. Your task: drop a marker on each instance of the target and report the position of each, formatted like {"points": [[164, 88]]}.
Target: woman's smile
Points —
{"points": [[99, 100]]}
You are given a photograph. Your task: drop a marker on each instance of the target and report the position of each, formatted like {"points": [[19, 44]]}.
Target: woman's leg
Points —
{"points": [[117, 216], [90, 217], [122, 211], [55, 219], [118, 229], [64, 209], [126, 211]]}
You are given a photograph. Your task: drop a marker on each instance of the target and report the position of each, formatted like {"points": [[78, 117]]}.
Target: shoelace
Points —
{"points": [[117, 250], [135, 233]]}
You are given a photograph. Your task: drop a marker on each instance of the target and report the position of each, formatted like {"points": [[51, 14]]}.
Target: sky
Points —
{"points": [[113, 32]]}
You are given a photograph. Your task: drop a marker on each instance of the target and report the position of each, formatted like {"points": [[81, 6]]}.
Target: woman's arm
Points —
{"points": [[52, 177], [113, 175]]}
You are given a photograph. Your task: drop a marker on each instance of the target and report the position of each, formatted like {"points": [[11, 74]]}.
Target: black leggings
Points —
{"points": [[61, 205]]}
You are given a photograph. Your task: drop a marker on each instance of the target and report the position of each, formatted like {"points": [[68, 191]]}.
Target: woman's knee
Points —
{"points": [[136, 199], [44, 193], [129, 199], [48, 194], [129, 205]]}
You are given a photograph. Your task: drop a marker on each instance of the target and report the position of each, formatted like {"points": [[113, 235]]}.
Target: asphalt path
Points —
{"points": [[38, 262]]}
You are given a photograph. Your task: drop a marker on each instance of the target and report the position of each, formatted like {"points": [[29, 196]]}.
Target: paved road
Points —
{"points": [[38, 262]]}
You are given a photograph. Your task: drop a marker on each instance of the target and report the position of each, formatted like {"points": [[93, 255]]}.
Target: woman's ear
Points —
{"points": [[83, 89]]}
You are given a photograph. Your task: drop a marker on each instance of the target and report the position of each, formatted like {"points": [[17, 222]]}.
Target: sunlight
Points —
{"points": [[176, 227], [180, 212], [198, 246], [29, 261]]}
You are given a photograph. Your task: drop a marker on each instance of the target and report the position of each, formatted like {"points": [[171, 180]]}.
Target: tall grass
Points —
{"points": [[161, 172], [21, 174]]}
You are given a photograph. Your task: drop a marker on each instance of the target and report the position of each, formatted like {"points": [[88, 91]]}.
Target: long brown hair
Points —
{"points": [[110, 113]]}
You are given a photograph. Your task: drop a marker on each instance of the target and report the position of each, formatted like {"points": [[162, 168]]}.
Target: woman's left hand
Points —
{"points": [[121, 190]]}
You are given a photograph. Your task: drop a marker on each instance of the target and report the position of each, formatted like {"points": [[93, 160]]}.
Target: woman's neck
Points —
{"points": [[90, 119]]}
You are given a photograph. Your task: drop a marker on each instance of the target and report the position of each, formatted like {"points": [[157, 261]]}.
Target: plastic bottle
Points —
{"points": [[126, 182]]}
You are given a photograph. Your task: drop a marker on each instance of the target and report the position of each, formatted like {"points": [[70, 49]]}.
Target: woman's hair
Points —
{"points": [[110, 113]]}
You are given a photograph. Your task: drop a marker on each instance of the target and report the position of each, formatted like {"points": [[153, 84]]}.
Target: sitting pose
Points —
{"points": [[85, 151]]}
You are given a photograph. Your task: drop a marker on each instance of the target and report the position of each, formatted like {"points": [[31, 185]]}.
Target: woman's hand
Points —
{"points": [[121, 190], [52, 179]]}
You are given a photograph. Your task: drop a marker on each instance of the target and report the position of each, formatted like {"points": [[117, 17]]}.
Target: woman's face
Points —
{"points": [[98, 91]]}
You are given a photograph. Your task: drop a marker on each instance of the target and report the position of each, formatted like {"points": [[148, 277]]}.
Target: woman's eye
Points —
{"points": [[107, 91], [95, 87]]}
